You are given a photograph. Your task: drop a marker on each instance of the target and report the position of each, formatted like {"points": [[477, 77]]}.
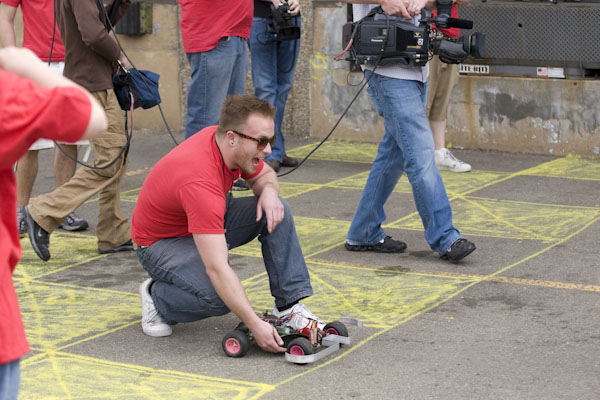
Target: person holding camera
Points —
{"points": [[32, 99], [91, 54], [184, 224], [274, 46], [399, 93], [442, 79]]}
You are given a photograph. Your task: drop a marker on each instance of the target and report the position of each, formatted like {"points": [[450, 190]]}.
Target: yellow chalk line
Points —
{"points": [[434, 305], [109, 363]]}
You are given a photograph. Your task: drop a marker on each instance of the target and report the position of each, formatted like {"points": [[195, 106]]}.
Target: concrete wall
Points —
{"points": [[526, 115]]}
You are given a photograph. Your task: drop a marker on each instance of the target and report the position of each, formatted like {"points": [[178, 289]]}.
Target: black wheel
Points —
{"points": [[300, 346], [235, 343], [336, 328]]}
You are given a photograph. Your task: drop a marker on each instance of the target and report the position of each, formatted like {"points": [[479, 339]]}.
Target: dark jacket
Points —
{"points": [[90, 52]]}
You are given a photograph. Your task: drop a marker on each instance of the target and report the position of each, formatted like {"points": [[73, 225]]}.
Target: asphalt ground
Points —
{"points": [[517, 319]]}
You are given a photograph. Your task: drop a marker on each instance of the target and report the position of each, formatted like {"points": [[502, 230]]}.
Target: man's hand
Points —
{"points": [[271, 205], [414, 7], [294, 7], [395, 7], [267, 338]]}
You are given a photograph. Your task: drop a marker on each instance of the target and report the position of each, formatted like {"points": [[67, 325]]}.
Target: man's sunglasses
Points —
{"points": [[260, 143]]}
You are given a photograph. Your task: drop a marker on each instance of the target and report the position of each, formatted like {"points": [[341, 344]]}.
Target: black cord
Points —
{"points": [[353, 99]]}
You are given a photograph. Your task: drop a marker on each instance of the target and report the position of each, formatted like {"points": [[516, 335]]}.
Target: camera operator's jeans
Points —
{"points": [[10, 376], [407, 146], [273, 68], [183, 292], [216, 74]]}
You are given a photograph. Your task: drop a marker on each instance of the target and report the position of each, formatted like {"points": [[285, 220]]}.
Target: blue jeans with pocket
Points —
{"points": [[407, 146], [273, 69], [10, 375], [216, 74], [182, 291]]}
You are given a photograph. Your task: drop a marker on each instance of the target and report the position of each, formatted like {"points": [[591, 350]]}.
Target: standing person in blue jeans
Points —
{"points": [[273, 68], [214, 35], [185, 222], [399, 93]]}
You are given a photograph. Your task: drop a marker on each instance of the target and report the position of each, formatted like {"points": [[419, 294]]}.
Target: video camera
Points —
{"points": [[380, 39], [282, 28]]}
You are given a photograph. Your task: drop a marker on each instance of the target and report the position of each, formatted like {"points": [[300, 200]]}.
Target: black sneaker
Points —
{"points": [[459, 250], [240, 184], [289, 162], [127, 246], [388, 245], [273, 163], [74, 223], [21, 223], [39, 238]]}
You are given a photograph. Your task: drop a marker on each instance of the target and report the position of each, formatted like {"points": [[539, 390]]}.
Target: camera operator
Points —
{"points": [[399, 93], [274, 66], [90, 56]]}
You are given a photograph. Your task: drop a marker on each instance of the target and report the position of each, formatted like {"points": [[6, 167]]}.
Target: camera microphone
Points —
{"points": [[459, 23]]}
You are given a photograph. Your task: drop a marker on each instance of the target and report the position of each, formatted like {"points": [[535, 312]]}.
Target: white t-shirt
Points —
{"points": [[398, 71]]}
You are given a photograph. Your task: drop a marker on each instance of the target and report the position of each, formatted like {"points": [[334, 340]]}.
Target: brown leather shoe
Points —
{"points": [[273, 163], [289, 162]]}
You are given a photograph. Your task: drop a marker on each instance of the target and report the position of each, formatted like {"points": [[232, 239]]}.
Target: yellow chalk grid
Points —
{"points": [[315, 234], [67, 250], [130, 196], [378, 298], [511, 219], [338, 150], [569, 167], [454, 183], [65, 376], [55, 314]]}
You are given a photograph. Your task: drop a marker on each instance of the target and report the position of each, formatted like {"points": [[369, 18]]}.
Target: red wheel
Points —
{"points": [[300, 346], [235, 344], [336, 328]]}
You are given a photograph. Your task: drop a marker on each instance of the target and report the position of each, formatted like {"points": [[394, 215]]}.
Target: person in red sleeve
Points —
{"points": [[184, 223], [41, 37], [442, 78], [35, 103]]}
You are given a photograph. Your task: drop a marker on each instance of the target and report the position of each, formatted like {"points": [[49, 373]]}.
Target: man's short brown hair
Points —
{"points": [[236, 110]]}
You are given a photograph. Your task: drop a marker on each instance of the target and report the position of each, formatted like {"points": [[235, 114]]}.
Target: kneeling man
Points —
{"points": [[185, 221]]}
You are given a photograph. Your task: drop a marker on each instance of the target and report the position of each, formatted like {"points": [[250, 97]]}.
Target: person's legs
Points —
{"points": [[215, 74], [26, 172], [64, 167], [182, 291], [49, 210], [288, 275], [402, 103], [287, 57], [10, 376], [263, 50], [385, 171]]}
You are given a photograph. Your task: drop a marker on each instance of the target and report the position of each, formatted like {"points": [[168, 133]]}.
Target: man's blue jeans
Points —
{"points": [[273, 69], [216, 74], [407, 146], [183, 292], [10, 375]]}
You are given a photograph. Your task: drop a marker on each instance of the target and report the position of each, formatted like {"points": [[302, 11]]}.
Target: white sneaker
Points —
{"points": [[445, 160], [152, 323], [298, 317]]}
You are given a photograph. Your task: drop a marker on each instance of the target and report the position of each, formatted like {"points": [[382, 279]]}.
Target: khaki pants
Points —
{"points": [[51, 209], [442, 78]]}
